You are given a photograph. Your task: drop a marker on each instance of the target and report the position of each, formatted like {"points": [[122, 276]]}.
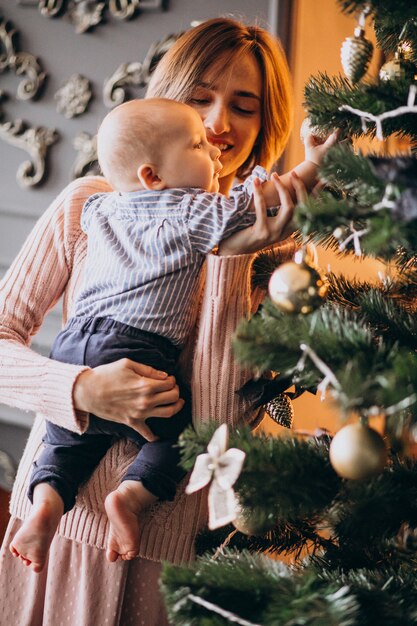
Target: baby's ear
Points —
{"points": [[149, 178]]}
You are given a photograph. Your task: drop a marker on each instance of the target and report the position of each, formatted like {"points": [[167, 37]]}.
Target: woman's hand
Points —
{"points": [[128, 393], [266, 231]]}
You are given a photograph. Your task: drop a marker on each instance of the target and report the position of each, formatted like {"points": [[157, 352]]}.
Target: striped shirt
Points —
{"points": [[145, 250]]}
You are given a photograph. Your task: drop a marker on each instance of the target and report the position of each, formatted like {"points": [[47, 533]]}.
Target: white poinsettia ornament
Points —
{"points": [[220, 467]]}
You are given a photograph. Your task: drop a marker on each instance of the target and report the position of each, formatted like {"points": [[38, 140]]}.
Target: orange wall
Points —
{"points": [[318, 32]]}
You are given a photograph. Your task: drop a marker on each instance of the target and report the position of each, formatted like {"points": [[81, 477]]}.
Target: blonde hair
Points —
{"points": [[188, 60]]}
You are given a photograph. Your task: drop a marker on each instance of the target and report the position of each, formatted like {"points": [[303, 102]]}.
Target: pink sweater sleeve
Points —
{"points": [[35, 281]]}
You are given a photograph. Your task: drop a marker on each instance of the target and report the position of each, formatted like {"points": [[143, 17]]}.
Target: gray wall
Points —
{"points": [[95, 55]]}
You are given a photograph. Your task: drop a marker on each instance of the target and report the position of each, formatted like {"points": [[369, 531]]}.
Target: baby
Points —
{"points": [[147, 241]]}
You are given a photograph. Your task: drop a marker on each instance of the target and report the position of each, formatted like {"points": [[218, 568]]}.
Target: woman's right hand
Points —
{"points": [[127, 392]]}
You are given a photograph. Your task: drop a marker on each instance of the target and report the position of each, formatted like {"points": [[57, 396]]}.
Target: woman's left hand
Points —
{"points": [[266, 231]]}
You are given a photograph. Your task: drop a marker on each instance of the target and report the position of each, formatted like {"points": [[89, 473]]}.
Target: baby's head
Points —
{"points": [[156, 144]]}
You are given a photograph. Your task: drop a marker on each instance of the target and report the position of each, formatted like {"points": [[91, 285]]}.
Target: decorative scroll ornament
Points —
{"points": [[85, 14], [221, 468], [73, 97], [366, 117], [135, 74], [50, 8], [127, 74], [20, 63], [123, 9], [86, 161], [36, 142]]}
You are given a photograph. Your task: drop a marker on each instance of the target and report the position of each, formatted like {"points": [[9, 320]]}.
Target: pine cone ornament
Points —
{"points": [[356, 54], [281, 410]]}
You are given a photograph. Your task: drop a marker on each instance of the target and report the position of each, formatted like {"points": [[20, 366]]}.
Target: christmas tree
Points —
{"points": [[344, 508]]}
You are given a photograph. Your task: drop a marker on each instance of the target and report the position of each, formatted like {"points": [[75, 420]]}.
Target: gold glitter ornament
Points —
{"points": [[358, 452], [356, 54], [281, 410], [297, 287], [406, 50], [397, 68]]}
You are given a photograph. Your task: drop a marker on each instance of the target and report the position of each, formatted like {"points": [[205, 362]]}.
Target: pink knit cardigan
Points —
{"points": [[49, 266]]}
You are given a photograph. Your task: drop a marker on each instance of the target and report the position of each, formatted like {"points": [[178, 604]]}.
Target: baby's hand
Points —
{"points": [[316, 145]]}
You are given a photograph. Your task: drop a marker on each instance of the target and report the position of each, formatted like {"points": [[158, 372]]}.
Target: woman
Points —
{"points": [[237, 79]]}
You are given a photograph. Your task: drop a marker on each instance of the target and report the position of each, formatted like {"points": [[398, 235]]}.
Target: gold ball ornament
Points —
{"points": [[397, 68], [356, 54], [297, 288], [358, 452]]}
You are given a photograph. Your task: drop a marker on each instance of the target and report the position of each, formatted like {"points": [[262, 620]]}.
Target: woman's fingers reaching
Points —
{"points": [[266, 231], [260, 204], [299, 188], [286, 210]]}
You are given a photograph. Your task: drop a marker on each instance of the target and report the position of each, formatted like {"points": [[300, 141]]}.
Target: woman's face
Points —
{"points": [[229, 103]]}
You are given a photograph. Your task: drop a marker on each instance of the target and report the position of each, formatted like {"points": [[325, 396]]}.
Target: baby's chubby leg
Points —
{"points": [[123, 508], [32, 542]]}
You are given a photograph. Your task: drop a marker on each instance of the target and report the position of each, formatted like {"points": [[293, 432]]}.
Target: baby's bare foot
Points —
{"points": [[123, 508], [123, 516], [32, 541]]}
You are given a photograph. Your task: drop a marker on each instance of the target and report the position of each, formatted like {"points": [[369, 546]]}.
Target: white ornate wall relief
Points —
{"points": [[86, 163], [73, 97], [85, 14], [135, 74], [33, 140], [21, 63]]}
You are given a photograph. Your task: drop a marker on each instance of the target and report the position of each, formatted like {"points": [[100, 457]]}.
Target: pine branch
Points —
{"points": [[368, 515], [269, 596], [325, 95], [351, 173], [358, 191], [370, 372], [389, 318], [350, 291], [275, 594], [386, 596], [388, 307]]}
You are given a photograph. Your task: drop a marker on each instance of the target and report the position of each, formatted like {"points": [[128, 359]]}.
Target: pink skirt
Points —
{"points": [[78, 586]]}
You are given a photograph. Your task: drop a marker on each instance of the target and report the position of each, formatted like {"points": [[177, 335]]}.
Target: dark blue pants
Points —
{"points": [[68, 459]]}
